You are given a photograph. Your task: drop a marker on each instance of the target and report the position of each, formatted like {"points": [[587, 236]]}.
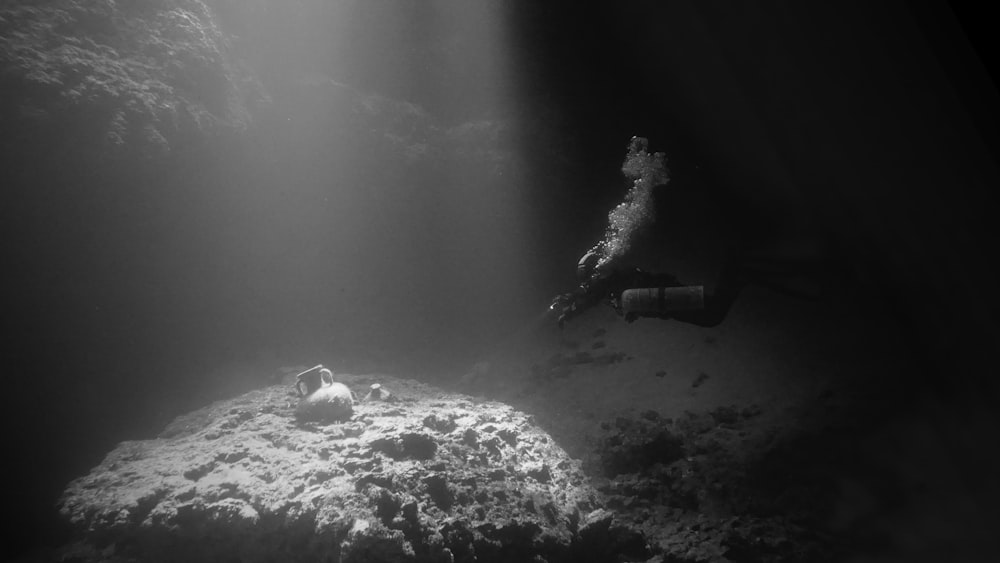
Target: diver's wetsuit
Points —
{"points": [[738, 271], [609, 288], [716, 304]]}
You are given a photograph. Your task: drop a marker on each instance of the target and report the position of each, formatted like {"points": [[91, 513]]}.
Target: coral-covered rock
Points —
{"points": [[429, 477], [129, 76]]}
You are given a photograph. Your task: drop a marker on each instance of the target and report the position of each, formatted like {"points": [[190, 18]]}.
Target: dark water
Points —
{"points": [[137, 289]]}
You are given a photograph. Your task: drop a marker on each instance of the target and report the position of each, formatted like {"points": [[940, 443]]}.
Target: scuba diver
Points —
{"points": [[634, 293]]}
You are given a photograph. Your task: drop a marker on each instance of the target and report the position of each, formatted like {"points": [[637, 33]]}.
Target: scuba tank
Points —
{"points": [[661, 300]]}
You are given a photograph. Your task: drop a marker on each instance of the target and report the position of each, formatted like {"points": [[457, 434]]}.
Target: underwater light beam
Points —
{"points": [[480, 209]]}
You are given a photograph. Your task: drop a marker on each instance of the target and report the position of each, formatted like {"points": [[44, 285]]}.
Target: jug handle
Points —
{"points": [[298, 379], [326, 376]]}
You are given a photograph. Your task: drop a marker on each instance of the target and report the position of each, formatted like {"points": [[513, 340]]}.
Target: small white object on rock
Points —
{"points": [[377, 393]]}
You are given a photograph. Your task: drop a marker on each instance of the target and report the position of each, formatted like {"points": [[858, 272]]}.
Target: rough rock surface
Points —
{"points": [[425, 476], [720, 486], [144, 77]]}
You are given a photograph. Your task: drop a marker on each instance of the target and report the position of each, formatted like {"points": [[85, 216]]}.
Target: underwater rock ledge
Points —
{"points": [[428, 476]]}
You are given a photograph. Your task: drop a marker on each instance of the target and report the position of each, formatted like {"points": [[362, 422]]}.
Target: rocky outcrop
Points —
{"points": [[128, 78], [422, 476], [89, 81], [706, 487]]}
